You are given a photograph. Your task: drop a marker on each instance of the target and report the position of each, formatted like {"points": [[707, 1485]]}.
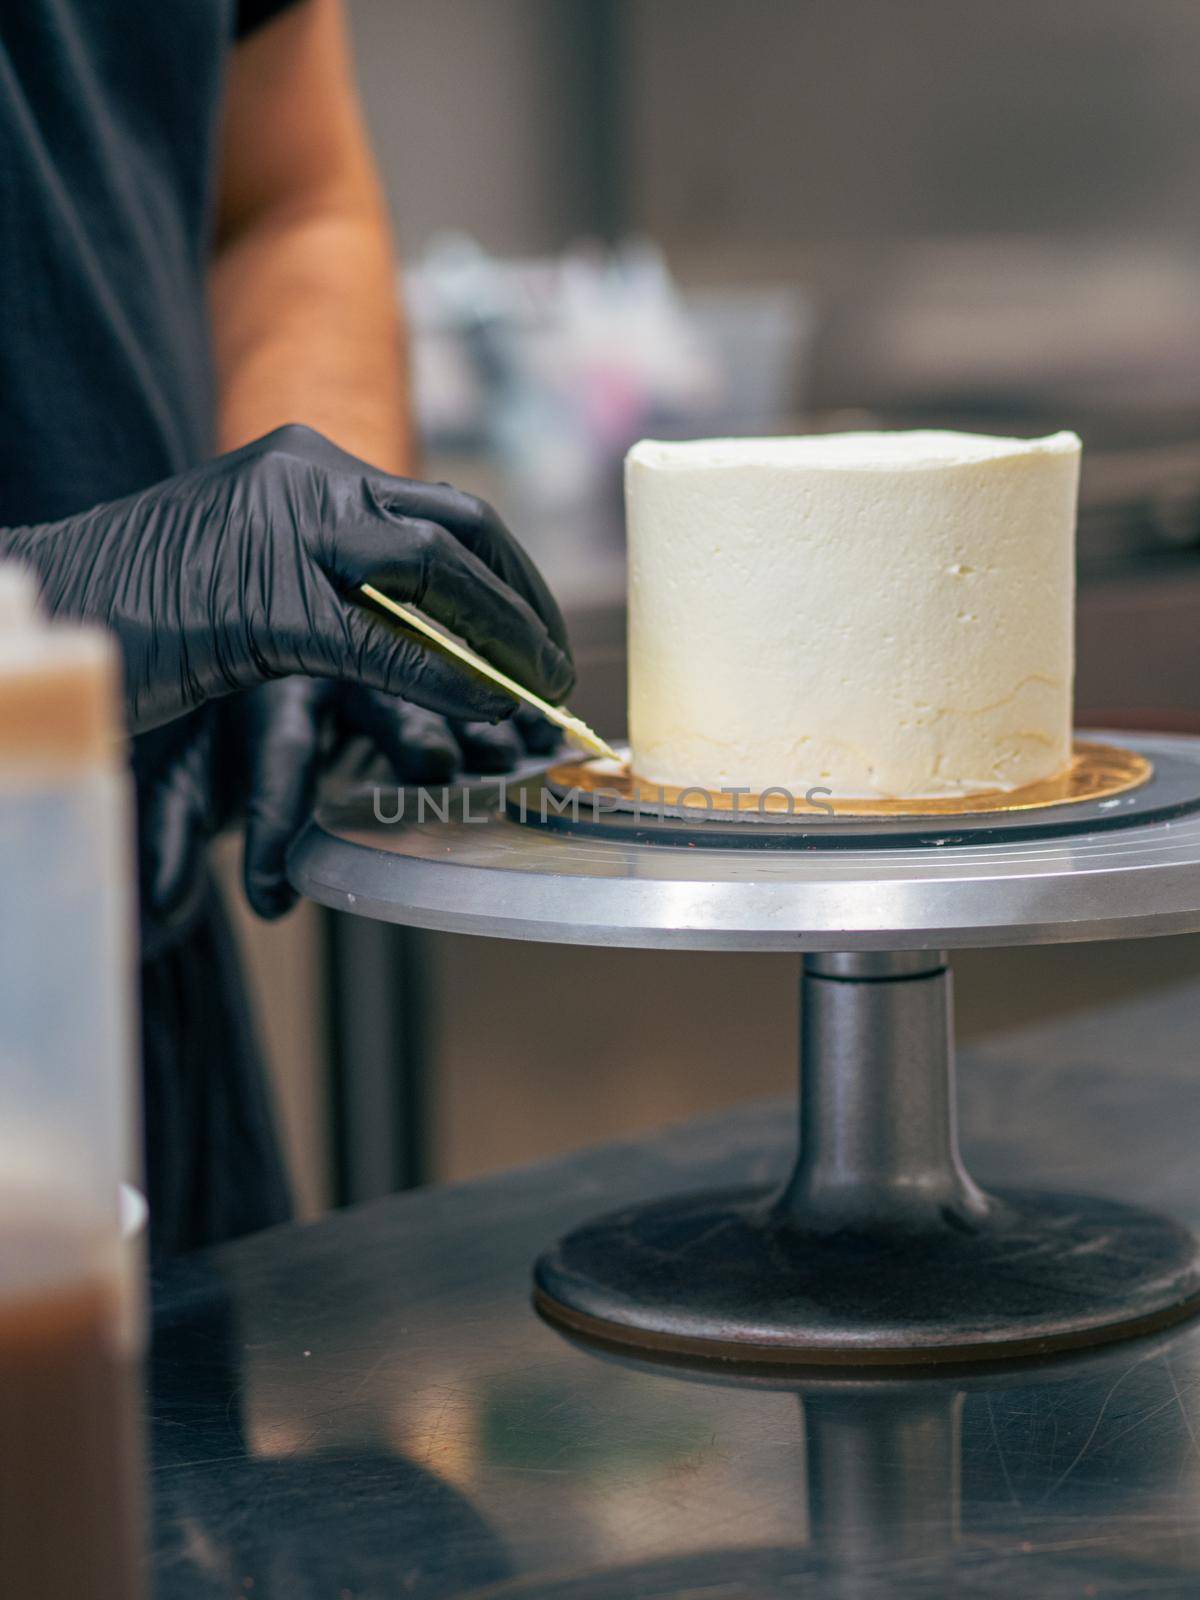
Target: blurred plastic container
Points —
{"points": [[70, 1322], [546, 371], [761, 341]]}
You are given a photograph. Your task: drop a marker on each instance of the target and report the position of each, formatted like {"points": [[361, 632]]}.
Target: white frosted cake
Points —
{"points": [[877, 614]]}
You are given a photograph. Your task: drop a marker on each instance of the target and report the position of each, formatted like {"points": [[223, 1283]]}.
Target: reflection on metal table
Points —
{"points": [[368, 1407]]}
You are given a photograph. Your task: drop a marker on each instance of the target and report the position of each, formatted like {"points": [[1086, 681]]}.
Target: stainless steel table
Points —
{"points": [[368, 1407]]}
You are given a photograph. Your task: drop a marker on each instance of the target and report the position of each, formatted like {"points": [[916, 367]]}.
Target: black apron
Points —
{"points": [[108, 118]]}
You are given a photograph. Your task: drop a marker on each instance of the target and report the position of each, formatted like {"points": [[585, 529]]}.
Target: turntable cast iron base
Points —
{"points": [[880, 1249]]}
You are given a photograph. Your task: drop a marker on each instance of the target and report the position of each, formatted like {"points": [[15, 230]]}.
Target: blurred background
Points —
{"points": [[681, 217]]}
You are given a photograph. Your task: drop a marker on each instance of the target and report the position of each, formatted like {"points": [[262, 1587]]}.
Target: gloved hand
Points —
{"points": [[259, 756], [244, 570]]}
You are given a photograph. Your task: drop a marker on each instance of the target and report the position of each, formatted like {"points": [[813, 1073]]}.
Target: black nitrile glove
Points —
{"points": [[259, 756], [245, 570]]}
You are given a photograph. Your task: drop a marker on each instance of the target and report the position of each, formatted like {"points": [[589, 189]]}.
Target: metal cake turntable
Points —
{"points": [[880, 1249]]}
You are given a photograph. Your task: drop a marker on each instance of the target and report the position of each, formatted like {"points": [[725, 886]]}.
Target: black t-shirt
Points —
{"points": [[108, 119]]}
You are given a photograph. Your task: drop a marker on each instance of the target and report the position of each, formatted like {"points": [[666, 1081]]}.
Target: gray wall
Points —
{"points": [[811, 119], [768, 122], [478, 110]]}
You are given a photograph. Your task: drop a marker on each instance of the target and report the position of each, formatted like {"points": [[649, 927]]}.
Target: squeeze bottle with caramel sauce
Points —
{"points": [[70, 1318]]}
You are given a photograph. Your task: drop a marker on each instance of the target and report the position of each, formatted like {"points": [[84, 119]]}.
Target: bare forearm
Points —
{"points": [[306, 329]]}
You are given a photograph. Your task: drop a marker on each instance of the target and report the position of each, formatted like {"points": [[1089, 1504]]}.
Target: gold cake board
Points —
{"points": [[1095, 772]]}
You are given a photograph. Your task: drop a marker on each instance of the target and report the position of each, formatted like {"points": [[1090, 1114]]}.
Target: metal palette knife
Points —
{"points": [[576, 730]]}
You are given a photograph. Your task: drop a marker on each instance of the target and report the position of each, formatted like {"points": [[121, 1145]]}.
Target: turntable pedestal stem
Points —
{"points": [[878, 1135]]}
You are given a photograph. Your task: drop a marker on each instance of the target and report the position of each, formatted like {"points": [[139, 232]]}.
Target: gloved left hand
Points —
{"points": [[260, 756], [249, 568]]}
